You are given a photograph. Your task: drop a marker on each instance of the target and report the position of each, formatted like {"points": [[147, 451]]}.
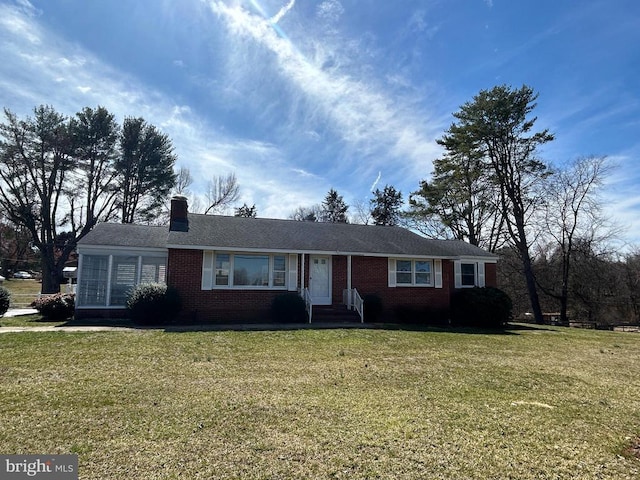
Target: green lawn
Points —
{"points": [[23, 292], [547, 403]]}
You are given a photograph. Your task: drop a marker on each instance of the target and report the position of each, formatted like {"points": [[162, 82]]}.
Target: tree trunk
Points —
{"points": [[531, 287], [50, 275]]}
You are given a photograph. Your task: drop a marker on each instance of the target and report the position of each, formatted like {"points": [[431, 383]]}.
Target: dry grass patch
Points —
{"points": [[548, 403]]}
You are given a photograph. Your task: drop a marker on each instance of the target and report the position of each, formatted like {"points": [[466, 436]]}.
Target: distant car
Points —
{"points": [[2, 279], [22, 275]]}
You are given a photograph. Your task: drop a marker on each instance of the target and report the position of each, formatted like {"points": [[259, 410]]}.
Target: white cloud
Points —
{"points": [[70, 78], [330, 10], [372, 123], [17, 22], [283, 11]]}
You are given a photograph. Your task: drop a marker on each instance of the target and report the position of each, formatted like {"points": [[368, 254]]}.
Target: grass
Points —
{"points": [[527, 404], [23, 292]]}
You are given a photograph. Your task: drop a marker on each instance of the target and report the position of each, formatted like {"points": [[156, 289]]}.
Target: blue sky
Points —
{"points": [[300, 96]]}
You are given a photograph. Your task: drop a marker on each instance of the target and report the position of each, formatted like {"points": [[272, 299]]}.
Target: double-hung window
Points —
{"points": [[469, 274], [414, 272]]}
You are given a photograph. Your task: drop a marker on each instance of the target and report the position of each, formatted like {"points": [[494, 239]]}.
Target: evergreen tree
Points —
{"points": [[334, 210], [495, 130], [385, 206], [145, 167], [246, 211]]}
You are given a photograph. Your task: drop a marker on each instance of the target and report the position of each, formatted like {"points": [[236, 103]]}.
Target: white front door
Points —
{"points": [[320, 279]]}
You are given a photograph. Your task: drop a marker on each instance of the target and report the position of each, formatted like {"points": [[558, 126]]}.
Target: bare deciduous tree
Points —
{"points": [[221, 192]]}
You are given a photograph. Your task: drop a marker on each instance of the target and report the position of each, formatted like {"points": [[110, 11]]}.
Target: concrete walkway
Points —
{"points": [[16, 312], [66, 329]]}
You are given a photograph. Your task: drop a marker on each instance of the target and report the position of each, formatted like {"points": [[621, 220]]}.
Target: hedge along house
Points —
{"points": [[231, 268]]}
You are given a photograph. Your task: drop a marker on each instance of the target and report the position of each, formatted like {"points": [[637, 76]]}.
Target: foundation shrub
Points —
{"points": [[486, 307], [153, 303], [372, 307], [288, 308]]}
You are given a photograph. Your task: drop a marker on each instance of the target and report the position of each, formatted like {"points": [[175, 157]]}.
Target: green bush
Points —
{"points": [[372, 307], [5, 300], [485, 307], [288, 307], [153, 303], [58, 306], [429, 316]]}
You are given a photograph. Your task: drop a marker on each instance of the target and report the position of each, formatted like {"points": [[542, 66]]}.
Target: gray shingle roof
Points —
{"points": [[240, 233], [126, 235]]}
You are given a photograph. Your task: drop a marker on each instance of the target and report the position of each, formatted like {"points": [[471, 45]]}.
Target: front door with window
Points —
{"points": [[320, 279]]}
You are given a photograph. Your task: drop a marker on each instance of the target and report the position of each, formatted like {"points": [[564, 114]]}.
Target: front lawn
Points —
{"points": [[528, 403]]}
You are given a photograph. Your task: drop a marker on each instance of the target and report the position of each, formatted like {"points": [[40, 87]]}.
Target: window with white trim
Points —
{"points": [[106, 280], [469, 274], [246, 270], [414, 272]]}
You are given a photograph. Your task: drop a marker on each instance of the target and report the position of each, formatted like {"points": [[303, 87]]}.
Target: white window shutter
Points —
{"points": [[481, 274], [293, 272], [437, 267], [207, 270], [392, 272], [457, 269]]}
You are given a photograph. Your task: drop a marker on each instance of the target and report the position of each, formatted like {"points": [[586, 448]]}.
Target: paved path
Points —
{"points": [[16, 312], [66, 329]]}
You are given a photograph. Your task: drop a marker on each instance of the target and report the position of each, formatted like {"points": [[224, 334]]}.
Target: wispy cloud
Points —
{"points": [[375, 182], [374, 125], [283, 11], [70, 78]]}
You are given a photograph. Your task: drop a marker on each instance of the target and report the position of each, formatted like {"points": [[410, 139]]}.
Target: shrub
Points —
{"points": [[412, 315], [485, 307], [372, 307], [153, 303], [288, 307], [5, 300], [58, 306]]}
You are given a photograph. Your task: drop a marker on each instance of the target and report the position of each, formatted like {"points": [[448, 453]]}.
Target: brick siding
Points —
{"points": [[369, 275]]}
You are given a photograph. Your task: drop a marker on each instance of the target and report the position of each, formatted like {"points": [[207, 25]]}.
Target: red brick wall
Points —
{"points": [[491, 274], [184, 272], [368, 274]]}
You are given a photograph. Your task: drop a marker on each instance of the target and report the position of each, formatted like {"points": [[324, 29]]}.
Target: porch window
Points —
{"points": [[94, 280], [106, 280], [124, 273], [154, 270], [249, 270]]}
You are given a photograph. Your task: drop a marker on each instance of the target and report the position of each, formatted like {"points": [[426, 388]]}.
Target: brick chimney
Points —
{"points": [[178, 221]]}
